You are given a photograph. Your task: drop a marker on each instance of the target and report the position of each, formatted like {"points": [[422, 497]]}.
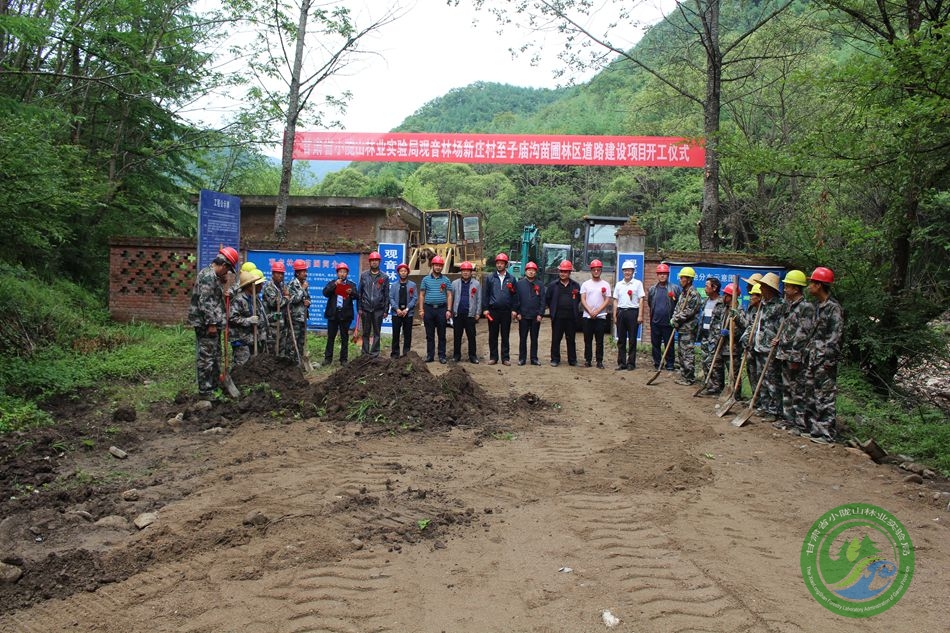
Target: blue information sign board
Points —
{"points": [[726, 275], [322, 271], [393, 255], [219, 224]]}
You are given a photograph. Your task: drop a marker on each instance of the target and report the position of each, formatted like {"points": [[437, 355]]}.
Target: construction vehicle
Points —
{"points": [[551, 257], [451, 234], [527, 250]]}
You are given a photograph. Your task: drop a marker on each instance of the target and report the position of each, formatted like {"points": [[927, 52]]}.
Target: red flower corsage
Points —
{"points": [[672, 295], [603, 291], [537, 290], [630, 293], [380, 281], [474, 290], [573, 294], [511, 288], [442, 287], [412, 291]]}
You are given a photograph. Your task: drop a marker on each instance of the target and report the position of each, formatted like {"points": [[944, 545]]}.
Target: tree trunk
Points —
{"points": [[709, 221], [290, 129]]}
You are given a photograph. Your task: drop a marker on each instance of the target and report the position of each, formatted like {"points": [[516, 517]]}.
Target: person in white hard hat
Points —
{"points": [[629, 300]]}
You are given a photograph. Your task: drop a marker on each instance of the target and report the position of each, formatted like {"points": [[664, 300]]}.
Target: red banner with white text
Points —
{"points": [[500, 149]]}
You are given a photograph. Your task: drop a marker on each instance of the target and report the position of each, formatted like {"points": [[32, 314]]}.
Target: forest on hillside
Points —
{"points": [[831, 136]]}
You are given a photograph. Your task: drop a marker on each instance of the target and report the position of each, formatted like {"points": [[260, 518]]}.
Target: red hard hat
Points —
{"points": [[565, 266], [662, 268], [343, 266], [730, 290], [531, 266], [822, 274], [501, 257], [229, 254], [596, 264], [466, 266], [300, 264], [375, 255], [401, 266], [437, 260], [277, 267]]}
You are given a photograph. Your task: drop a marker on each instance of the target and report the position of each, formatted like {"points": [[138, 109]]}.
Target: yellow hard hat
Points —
{"points": [[756, 289], [687, 272], [796, 278], [248, 267]]}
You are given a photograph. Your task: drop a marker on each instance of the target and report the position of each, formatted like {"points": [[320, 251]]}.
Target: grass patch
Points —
{"points": [[900, 427]]}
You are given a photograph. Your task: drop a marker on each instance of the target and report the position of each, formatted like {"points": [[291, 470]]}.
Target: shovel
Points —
{"points": [[666, 351], [744, 416], [712, 366], [303, 357], [737, 386], [225, 377]]}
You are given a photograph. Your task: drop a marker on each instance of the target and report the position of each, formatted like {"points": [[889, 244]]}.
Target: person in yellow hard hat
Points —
{"points": [[769, 405], [242, 318], [686, 324], [753, 367], [797, 329]]}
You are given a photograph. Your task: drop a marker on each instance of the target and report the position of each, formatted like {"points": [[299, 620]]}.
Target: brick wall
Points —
{"points": [[150, 279]]}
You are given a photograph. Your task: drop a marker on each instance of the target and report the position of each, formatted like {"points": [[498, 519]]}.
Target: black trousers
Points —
{"points": [[660, 334], [500, 323], [594, 330], [463, 324], [564, 327], [402, 326], [528, 328], [334, 327], [433, 318], [627, 329]]}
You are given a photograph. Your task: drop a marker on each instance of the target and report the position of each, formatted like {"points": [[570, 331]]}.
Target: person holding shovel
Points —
{"points": [[274, 300], [373, 303], [823, 352], [748, 335], [685, 323], [298, 295], [340, 294], [791, 351], [770, 398], [244, 323], [712, 312], [207, 315], [726, 317]]}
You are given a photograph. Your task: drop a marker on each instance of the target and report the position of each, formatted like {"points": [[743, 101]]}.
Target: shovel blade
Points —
{"points": [[307, 365], [724, 407], [743, 417], [229, 385], [655, 376], [699, 391]]}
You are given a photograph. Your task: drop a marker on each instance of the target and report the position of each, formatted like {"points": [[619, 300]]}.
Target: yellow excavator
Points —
{"points": [[454, 236]]}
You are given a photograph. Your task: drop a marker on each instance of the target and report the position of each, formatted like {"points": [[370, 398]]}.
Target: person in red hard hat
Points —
{"points": [[434, 309], [563, 299], [823, 352], [340, 294], [661, 298], [208, 316], [465, 300], [274, 300], [596, 298], [403, 296], [373, 304], [298, 294], [530, 310], [499, 306]]}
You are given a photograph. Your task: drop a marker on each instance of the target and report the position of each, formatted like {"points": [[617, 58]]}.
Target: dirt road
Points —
{"points": [[608, 495]]}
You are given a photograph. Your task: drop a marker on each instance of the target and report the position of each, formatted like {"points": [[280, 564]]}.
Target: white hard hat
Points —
{"points": [[629, 264]]}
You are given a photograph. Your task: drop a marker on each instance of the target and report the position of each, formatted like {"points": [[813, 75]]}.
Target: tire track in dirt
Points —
{"points": [[648, 575]]}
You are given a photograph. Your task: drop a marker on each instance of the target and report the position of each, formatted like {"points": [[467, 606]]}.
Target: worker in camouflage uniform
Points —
{"points": [[726, 317], [824, 350], [243, 321], [207, 315], [799, 325], [685, 322], [748, 333], [298, 298], [274, 298], [708, 334], [769, 404]]}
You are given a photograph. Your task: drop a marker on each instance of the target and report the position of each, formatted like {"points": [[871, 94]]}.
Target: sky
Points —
{"points": [[434, 48]]}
